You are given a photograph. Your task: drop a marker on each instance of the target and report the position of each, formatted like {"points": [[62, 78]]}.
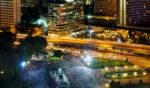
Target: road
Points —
{"points": [[99, 43], [79, 75], [133, 59], [35, 77]]}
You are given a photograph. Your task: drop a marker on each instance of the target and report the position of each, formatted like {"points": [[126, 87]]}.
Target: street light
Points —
{"points": [[74, 34], [135, 73], [23, 64], [91, 31], [144, 73], [88, 60], [2, 72]]}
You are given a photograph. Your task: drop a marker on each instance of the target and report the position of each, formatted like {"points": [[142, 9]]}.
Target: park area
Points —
{"points": [[102, 62]]}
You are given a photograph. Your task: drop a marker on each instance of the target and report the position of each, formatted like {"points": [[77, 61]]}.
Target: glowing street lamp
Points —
{"points": [[28, 62], [135, 73], [23, 64], [106, 69], [88, 60], [89, 16], [126, 67], [125, 74], [2, 72], [144, 73], [116, 68], [135, 66], [107, 85]]}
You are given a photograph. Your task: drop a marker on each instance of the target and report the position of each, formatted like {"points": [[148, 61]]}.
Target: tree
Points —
{"points": [[31, 45], [6, 40], [8, 57], [58, 53]]}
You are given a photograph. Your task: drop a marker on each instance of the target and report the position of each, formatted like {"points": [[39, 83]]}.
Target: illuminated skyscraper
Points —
{"points": [[122, 12], [132, 12], [9, 12], [105, 7], [65, 16], [105, 12]]}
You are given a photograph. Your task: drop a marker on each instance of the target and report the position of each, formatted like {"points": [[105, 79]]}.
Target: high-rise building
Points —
{"points": [[9, 12], [132, 12], [104, 13], [105, 7], [65, 16]]}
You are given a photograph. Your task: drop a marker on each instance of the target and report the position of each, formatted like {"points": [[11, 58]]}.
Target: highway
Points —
{"points": [[106, 44], [133, 48], [133, 59]]}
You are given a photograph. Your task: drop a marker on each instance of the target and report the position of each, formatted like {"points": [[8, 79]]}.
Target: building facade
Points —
{"points": [[105, 13], [105, 7], [10, 12], [66, 16], [132, 12]]}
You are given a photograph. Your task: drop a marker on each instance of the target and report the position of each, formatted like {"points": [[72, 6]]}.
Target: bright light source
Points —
{"points": [[73, 33], [113, 76], [69, 0], [2, 72], [106, 68], [107, 85], [135, 66], [116, 68], [125, 74], [125, 66], [23, 64], [91, 31], [135, 73], [28, 62], [61, 5], [88, 63], [99, 55], [89, 16], [43, 22], [88, 58], [144, 73], [82, 56]]}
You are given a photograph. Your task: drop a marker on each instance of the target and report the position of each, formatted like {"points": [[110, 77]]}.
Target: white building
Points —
{"points": [[10, 12]]}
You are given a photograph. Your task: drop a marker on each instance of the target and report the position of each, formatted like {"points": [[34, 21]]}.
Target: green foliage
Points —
{"points": [[31, 45], [58, 53], [8, 55], [53, 58], [100, 63]]}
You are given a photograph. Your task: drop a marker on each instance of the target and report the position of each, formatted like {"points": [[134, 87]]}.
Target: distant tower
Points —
{"points": [[105, 12], [105, 7], [132, 12], [10, 12], [122, 12]]}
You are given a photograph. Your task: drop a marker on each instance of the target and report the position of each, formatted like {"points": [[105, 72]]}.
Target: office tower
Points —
{"points": [[148, 10], [132, 12], [105, 13], [122, 12], [65, 16], [105, 7], [9, 12]]}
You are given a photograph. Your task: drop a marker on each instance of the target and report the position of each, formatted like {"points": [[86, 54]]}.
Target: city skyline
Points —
{"points": [[74, 44]]}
